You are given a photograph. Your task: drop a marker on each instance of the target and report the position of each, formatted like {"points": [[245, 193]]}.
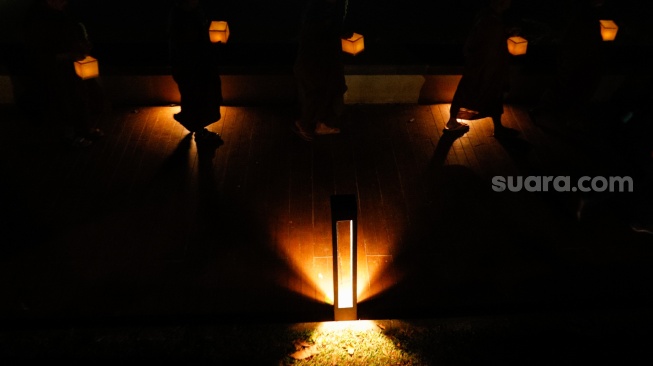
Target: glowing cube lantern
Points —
{"points": [[344, 210], [608, 30], [353, 45], [87, 68], [517, 45], [219, 31]]}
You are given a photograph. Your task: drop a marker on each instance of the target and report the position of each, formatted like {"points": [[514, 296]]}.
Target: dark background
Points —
{"points": [[129, 36]]}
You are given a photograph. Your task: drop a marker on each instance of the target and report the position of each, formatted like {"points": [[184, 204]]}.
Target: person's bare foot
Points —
{"points": [[323, 129], [455, 126]]}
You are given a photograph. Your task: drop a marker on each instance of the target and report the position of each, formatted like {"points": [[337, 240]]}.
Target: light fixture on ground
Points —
{"points": [[354, 44], [517, 45], [219, 31], [87, 68], [344, 223], [608, 30]]}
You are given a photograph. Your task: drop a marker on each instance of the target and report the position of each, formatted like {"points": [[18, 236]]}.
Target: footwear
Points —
{"points": [[502, 132], [205, 136], [322, 129], [461, 127], [299, 131]]}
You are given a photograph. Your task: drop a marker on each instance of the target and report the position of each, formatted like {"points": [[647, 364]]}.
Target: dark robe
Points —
{"points": [[53, 42], [485, 76], [194, 69], [319, 69]]}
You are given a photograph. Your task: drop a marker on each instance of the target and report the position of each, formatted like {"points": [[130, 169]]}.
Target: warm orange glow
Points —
{"points": [[375, 273], [353, 45], [608, 30], [87, 68], [517, 45], [219, 31], [313, 277], [379, 276]]}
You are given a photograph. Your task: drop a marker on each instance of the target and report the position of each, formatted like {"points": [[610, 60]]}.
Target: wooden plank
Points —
{"points": [[234, 133], [323, 188], [301, 242], [463, 146], [279, 212], [382, 274], [369, 196]]}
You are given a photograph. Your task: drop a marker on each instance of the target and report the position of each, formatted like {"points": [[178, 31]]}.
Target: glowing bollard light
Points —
{"points": [[608, 30], [344, 223], [87, 68], [219, 31], [517, 45], [354, 44]]}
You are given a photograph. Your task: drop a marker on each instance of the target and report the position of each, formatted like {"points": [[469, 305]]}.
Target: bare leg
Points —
{"points": [[453, 124]]}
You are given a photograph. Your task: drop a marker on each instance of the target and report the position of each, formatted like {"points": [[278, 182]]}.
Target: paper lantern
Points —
{"points": [[87, 68], [353, 45], [517, 45], [219, 31], [344, 223], [608, 30]]}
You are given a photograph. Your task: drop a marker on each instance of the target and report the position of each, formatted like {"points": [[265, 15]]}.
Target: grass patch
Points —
{"points": [[329, 344]]}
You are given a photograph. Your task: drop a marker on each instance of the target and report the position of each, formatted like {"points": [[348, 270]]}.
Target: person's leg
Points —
{"points": [[327, 114], [208, 101], [212, 99], [311, 103], [185, 87], [500, 130], [198, 110], [496, 122], [69, 108], [453, 124]]}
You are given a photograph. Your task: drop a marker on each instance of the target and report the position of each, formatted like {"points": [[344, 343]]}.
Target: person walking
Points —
{"points": [[54, 40], [194, 69], [480, 91], [319, 70]]}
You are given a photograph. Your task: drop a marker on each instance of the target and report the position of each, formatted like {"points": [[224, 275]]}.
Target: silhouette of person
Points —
{"points": [[319, 70], [579, 64], [54, 40], [194, 69], [480, 91]]}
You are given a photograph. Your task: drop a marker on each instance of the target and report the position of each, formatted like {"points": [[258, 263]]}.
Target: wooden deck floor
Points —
{"points": [[144, 226]]}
